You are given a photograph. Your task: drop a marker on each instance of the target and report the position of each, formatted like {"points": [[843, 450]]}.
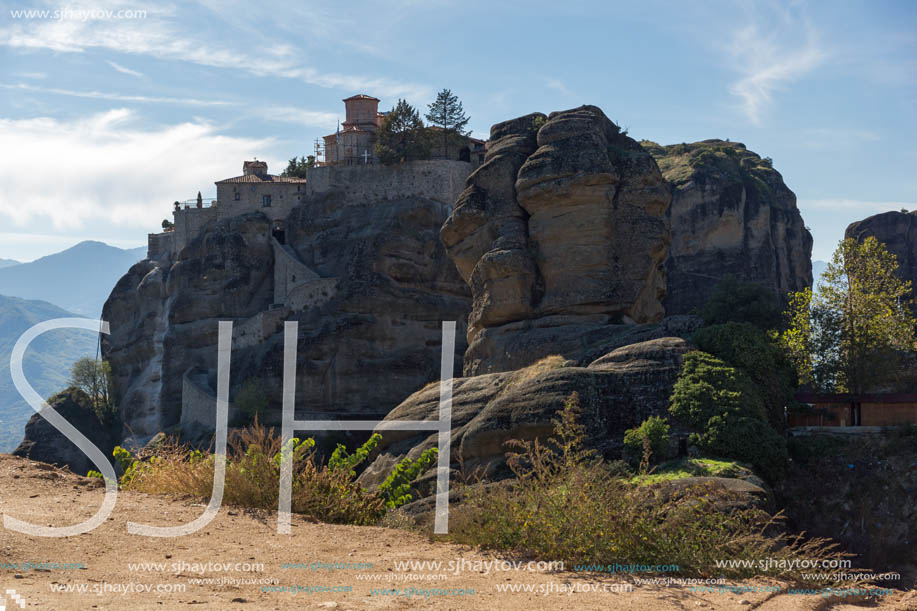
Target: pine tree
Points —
{"points": [[402, 136], [446, 113], [298, 168]]}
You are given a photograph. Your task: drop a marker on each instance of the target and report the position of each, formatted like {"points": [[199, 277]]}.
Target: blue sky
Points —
{"points": [[104, 122]]}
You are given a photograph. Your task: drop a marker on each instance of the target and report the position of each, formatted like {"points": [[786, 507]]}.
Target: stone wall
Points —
{"points": [[199, 404], [289, 272], [160, 245], [188, 224], [439, 180], [258, 328], [284, 196]]}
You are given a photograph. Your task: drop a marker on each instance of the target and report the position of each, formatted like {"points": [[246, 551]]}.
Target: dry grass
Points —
{"points": [[548, 363], [565, 506], [253, 478]]}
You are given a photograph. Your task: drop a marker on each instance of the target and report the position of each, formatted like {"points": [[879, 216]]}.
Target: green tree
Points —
{"points": [[849, 336], [200, 200], [726, 411], [737, 301], [446, 112], [402, 136], [297, 168], [758, 354], [93, 376]]}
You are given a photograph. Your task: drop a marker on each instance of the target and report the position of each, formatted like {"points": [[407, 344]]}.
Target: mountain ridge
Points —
{"points": [[77, 279], [46, 363]]}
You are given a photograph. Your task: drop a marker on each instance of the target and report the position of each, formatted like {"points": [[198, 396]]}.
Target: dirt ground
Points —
{"points": [[235, 540]]}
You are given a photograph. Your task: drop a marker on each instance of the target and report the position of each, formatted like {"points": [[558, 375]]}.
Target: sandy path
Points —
{"points": [[46, 496]]}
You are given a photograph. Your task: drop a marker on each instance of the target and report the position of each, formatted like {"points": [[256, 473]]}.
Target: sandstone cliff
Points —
{"points": [[560, 233], [371, 286], [731, 214]]}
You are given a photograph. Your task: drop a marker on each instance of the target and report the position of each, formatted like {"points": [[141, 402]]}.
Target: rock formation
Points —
{"points": [[898, 231], [378, 287], [562, 226], [44, 443], [731, 214], [617, 391]]}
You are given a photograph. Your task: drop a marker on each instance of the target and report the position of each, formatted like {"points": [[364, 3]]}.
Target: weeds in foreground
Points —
{"points": [[326, 492], [565, 505]]}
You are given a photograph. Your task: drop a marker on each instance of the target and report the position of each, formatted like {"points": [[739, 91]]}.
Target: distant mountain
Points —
{"points": [[818, 268], [78, 279], [46, 364], [8, 263]]}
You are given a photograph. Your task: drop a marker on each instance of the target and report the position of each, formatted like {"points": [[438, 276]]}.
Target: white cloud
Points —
{"points": [[109, 170], [116, 97], [558, 86], [768, 62], [123, 70], [306, 118], [162, 37]]}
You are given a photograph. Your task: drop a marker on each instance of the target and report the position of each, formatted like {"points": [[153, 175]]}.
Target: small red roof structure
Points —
{"points": [[360, 96], [255, 179]]}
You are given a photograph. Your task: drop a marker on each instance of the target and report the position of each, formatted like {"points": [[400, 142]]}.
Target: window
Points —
{"points": [[237, 196], [266, 201]]}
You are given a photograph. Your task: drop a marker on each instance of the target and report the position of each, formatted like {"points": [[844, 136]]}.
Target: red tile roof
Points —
{"points": [[360, 96], [254, 178]]}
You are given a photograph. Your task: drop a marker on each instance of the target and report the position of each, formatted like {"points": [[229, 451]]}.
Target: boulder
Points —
{"points": [[731, 214], [44, 443], [617, 392], [563, 225]]}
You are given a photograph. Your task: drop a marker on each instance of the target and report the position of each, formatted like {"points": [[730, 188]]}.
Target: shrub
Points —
{"points": [[655, 431], [396, 487], [326, 492], [564, 506], [340, 459], [746, 439], [728, 415]]}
